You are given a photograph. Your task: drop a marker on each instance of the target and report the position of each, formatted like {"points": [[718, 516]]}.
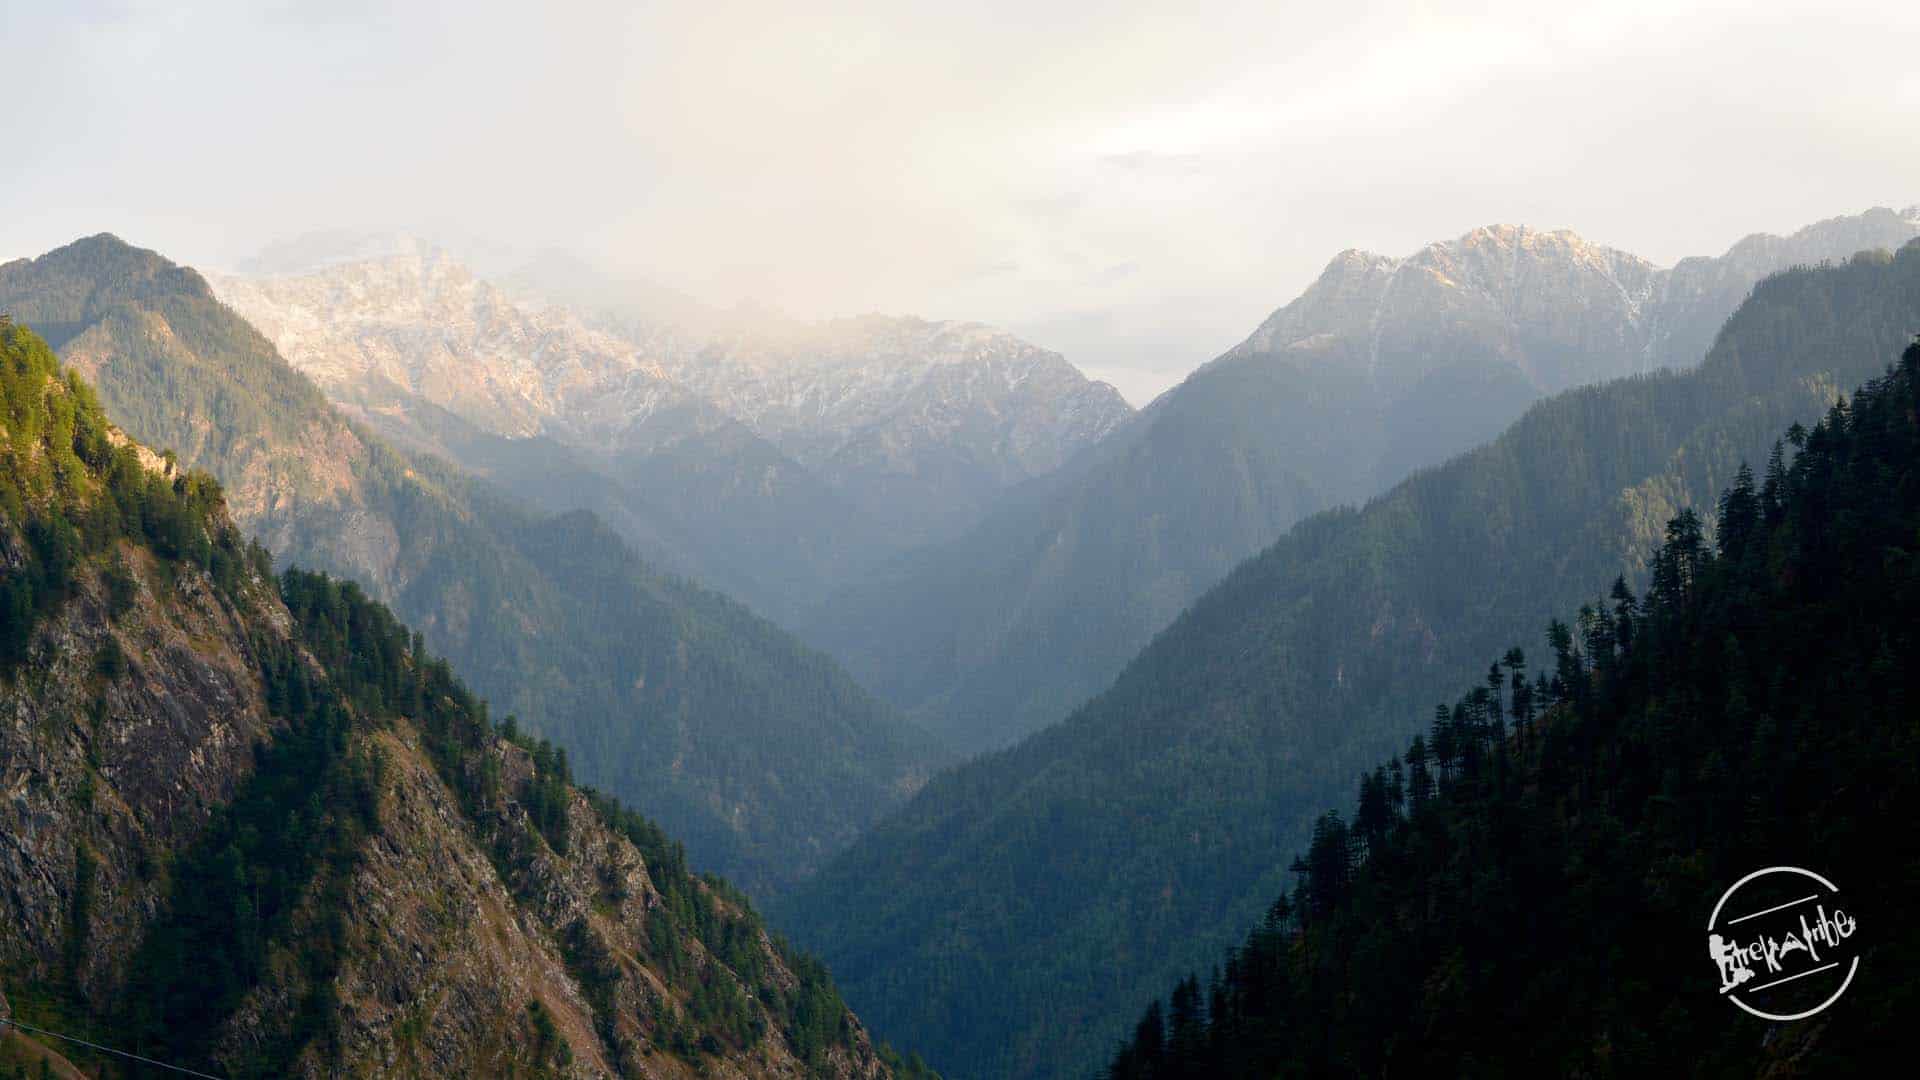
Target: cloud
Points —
{"points": [[1178, 175]]}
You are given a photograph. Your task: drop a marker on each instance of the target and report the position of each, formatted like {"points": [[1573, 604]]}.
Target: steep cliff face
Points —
{"points": [[106, 775], [468, 954], [247, 823]]}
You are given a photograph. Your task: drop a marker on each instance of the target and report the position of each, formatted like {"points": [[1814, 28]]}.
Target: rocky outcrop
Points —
{"points": [[455, 944], [102, 777]]}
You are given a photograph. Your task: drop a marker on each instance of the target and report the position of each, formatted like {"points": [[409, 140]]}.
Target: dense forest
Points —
{"points": [[1542, 859], [263, 888], [759, 753], [1006, 919]]}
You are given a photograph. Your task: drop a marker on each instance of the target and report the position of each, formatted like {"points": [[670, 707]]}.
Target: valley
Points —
{"points": [[742, 541]]}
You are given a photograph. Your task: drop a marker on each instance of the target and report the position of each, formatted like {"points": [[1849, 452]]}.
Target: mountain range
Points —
{"points": [[757, 752], [769, 458], [1004, 918], [1172, 637], [1381, 367], [1746, 704], [254, 827]]}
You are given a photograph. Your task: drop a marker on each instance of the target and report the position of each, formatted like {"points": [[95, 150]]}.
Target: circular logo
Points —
{"points": [[1783, 944]]}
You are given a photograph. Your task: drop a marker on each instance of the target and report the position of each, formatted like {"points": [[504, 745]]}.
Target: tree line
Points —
{"points": [[1520, 892]]}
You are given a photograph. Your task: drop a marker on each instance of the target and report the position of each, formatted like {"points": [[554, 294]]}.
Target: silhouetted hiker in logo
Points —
{"points": [[1733, 970], [1791, 929]]}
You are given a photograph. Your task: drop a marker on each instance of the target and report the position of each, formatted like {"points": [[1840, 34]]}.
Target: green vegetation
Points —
{"points": [[1009, 918], [1551, 879], [1040, 607], [372, 655], [291, 835], [73, 494], [262, 892], [761, 754], [711, 912]]}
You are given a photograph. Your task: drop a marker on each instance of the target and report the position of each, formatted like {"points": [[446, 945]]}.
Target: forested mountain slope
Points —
{"points": [[1381, 367], [1005, 920], [761, 754], [254, 827], [1528, 902]]}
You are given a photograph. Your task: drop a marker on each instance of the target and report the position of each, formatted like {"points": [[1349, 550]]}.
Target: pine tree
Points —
{"points": [[1186, 1035], [1740, 514], [1443, 745], [1419, 780]]}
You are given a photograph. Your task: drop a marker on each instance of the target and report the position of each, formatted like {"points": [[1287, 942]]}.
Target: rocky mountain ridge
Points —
{"points": [[1171, 800], [251, 826], [1381, 368], [914, 419], [1560, 309], [417, 324], [882, 409]]}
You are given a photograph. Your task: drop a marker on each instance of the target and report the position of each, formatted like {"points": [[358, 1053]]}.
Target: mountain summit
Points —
{"points": [[768, 457], [1384, 366], [921, 423], [1559, 310]]}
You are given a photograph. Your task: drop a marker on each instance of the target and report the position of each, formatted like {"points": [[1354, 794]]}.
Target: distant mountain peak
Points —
{"points": [[565, 625], [417, 320], [918, 421], [1560, 309]]}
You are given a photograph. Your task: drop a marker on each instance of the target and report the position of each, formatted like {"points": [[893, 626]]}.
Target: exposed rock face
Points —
{"points": [[564, 415], [446, 952], [115, 772]]}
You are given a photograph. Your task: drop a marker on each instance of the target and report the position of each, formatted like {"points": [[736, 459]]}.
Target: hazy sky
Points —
{"points": [[1135, 188]]}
